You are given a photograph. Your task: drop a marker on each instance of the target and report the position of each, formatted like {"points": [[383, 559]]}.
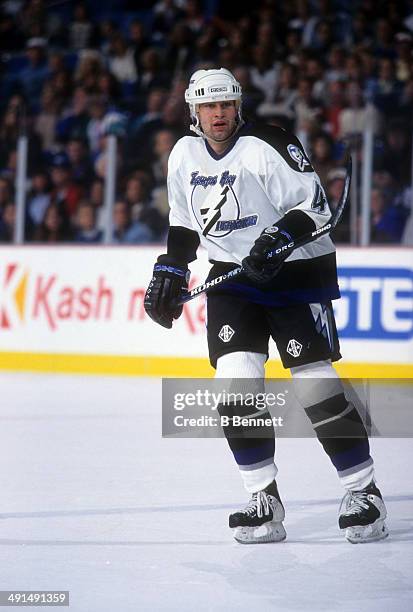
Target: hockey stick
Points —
{"points": [[289, 248]]}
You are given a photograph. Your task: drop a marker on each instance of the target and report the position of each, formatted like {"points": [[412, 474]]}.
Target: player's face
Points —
{"points": [[218, 119]]}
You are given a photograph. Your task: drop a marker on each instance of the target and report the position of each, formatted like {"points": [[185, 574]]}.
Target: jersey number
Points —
{"points": [[319, 202]]}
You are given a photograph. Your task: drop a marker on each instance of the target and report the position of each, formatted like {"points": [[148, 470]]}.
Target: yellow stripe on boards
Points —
{"points": [[172, 367]]}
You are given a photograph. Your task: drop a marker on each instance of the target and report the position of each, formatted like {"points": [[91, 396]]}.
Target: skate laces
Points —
{"points": [[259, 503], [354, 502]]}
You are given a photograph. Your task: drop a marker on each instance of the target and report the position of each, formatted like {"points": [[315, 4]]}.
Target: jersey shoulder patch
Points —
{"points": [[285, 143]]}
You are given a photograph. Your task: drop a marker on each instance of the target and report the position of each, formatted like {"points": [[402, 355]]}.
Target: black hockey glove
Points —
{"points": [[258, 266], [169, 279]]}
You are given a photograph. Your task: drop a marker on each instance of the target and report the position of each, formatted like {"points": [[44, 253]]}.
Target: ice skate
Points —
{"points": [[362, 515], [261, 520]]}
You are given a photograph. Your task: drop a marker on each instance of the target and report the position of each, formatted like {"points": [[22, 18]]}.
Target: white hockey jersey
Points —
{"points": [[230, 199]]}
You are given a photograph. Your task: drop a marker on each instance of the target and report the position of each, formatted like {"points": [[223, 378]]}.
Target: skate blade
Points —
{"points": [[368, 533], [269, 532]]}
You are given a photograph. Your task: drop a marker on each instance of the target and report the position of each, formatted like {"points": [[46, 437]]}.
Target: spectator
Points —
{"points": [[166, 14], [174, 117], [54, 227], [385, 90], [75, 119], [178, 54], [66, 194], [251, 95], [90, 67], [396, 156], [150, 72], [178, 88], [314, 70], [7, 222], [404, 50], [205, 44], [82, 32], [17, 103], [323, 36], [353, 68], [46, 121], [78, 156], [155, 101], [407, 238], [383, 45], [39, 197], [308, 111], [96, 198], [385, 182], [334, 105], [194, 18], [360, 34], [336, 64], [94, 129], [264, 73], [6, 193], [353, 119], [11, 38], [101, 158], [239, 43], [322, 156], [127, 231], [33, 17], [108, 88], [368, 66], [10, 166], [137, 40], [293, 46], [61, 83], [137, 198], [266, 37], [13, 120], [227, 57], [56, 63], [334, 188], [159, 194], [32, 78], [106, 31], [144, 127], [164, 141], [286, 95], [387, 221], [121, 60], [85, 224], [406, 102]]}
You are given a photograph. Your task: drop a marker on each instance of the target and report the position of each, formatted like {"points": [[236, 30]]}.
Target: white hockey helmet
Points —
{"points": [[214, 85]]}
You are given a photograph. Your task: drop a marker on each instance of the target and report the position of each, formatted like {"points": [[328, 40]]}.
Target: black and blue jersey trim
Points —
{"points": [[301, 281], [317, 295]]}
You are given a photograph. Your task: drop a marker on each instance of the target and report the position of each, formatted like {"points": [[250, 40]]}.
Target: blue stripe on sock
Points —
{"points": [[352, 457], [255, 454]]}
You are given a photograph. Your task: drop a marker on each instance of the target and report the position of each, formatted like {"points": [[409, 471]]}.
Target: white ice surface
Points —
{"points": [[94, 501]]}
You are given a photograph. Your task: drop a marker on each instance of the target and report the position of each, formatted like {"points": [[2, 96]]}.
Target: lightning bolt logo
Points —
{"points": [[212, 214], [322, 321]]}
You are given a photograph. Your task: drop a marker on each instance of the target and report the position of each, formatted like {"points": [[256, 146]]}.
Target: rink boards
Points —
{"points": [[80, 309]]}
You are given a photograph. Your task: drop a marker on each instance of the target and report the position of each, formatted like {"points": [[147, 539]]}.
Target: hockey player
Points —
{"points": [[243, 191]]}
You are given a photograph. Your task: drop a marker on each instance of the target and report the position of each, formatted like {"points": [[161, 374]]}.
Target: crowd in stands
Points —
{"points": [[71, 71]]}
